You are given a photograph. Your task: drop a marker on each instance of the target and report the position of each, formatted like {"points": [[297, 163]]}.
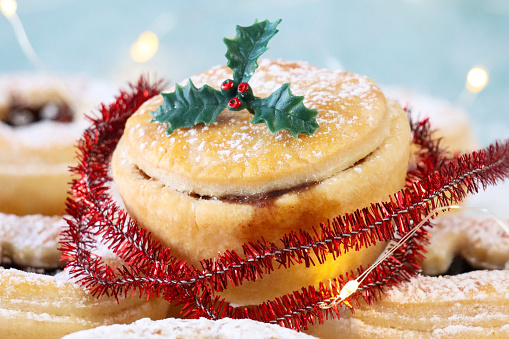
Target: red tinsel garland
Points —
{"points": [[150, 269]]}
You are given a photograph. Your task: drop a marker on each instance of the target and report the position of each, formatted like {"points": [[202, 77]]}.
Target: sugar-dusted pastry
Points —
{"points": [[53, 306], [469, 305], [207, 189], [37, 297], [30, 242], [186, 328], [41, 117], [466, 243], [463, 303]]}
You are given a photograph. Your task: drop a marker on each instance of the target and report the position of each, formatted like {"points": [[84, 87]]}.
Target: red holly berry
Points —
{"points": [[234, 103], [243, 87], [227, 85]]}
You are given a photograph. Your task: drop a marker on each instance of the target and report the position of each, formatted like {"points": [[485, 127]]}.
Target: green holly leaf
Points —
{"points": [[188, 106], [284, 111], [245, 49]]}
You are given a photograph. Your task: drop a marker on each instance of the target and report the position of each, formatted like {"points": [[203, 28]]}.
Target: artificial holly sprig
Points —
{"points": [[189, 105]]}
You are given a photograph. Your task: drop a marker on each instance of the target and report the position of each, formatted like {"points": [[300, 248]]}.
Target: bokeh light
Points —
{"points": [[8, 7], [477, 78], [145, 47]]}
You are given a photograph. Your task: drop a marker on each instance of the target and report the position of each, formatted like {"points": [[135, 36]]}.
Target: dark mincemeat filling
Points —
{"points": [[459, 266], [7, 263], [261, 199], [45, 271], [256, 199], [19, 114]]}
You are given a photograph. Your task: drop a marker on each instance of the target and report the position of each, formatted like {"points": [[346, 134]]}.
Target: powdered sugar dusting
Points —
{"points": [[306, 80], [30, 240], [481, 232], [190, 328], [43, 134], [322, 89], [472, 285], [463, 331], [481, 241]]}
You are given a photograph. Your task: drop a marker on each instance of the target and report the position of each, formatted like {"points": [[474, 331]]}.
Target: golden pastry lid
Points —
{"points": [[234, 157]]}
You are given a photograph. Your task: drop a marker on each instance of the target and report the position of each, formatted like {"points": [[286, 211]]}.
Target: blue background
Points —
{"points": [[424, 45]]}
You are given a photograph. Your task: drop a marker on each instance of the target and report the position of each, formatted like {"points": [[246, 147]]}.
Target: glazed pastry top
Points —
{"points": [[233, 157]]}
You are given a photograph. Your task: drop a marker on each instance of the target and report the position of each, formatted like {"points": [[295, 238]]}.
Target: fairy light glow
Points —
{"points": [[477, 78], [145, 47], [352, 286], [8, 7]]}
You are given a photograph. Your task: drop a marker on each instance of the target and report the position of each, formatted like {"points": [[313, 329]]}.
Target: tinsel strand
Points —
{"points": [[152, 270]]}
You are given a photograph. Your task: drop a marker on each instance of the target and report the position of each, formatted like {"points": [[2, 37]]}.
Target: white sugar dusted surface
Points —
{"points": [[303, 79], [44, 133], [481, 235], [185, 328], [59, 280], [355, 328], [461, 331], [304, 82], [83, 94], [45, 318], [472, 285], [30, 240], [33, 241], [358, 89]]}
